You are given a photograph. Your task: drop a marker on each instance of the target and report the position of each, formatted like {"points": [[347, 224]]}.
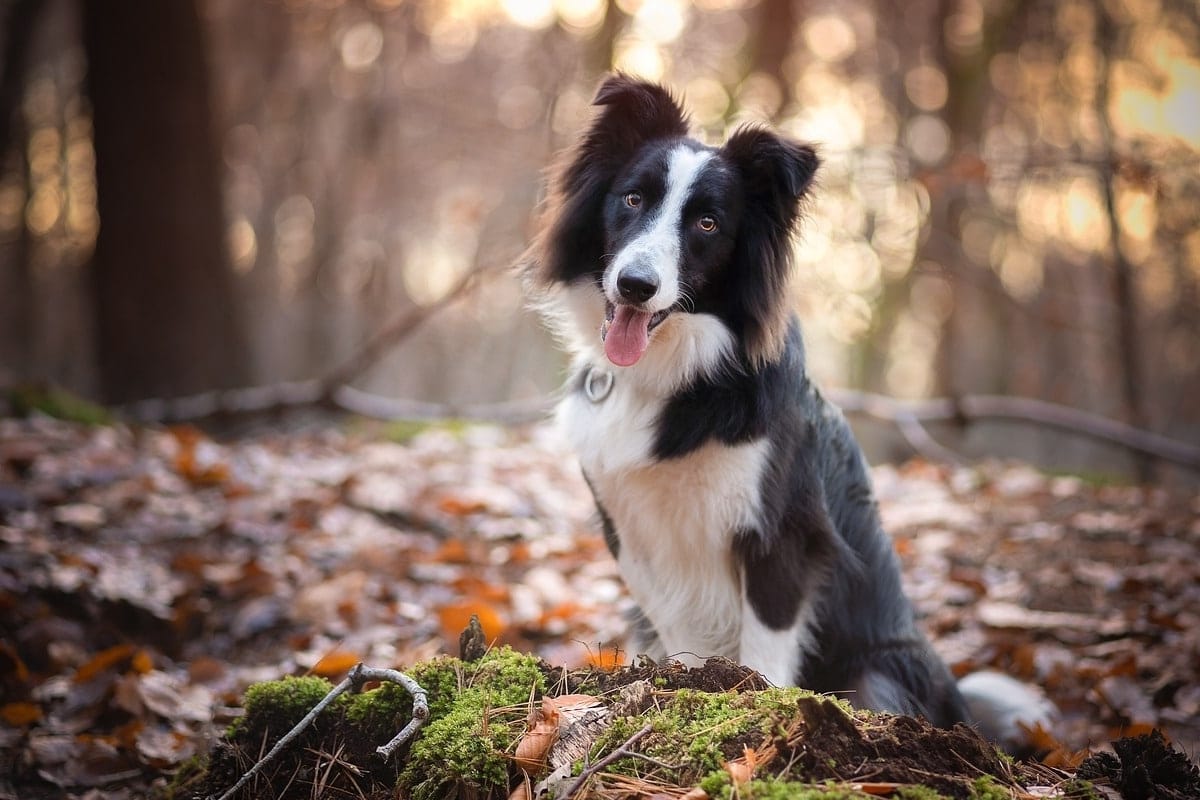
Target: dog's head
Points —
{"points": [[662, 225]]}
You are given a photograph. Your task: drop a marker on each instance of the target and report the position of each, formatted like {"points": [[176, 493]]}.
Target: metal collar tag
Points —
{"points": [[597, 384]]}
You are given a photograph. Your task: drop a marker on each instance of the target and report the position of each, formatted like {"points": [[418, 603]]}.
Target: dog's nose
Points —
{"points": [[637, 286]]}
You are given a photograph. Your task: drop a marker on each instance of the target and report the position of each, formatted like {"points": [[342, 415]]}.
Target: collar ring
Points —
{"points": [[597, 384]]}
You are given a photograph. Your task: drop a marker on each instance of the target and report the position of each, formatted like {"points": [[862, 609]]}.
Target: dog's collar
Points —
{"points": [[597, 384]]}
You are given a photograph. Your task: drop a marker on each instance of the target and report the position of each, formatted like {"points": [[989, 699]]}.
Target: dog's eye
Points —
{"points": [[633, 199], [707, 223]]}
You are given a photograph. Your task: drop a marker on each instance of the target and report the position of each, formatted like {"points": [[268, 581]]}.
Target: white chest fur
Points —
{"points": [[675, 519]]}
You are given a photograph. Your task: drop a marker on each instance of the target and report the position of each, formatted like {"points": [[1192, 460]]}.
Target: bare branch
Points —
{"points": [[620, 752], [358, 676], [976, 408]]}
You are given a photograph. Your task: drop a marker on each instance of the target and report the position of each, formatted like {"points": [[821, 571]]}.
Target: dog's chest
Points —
{"points": [[675, 518]]}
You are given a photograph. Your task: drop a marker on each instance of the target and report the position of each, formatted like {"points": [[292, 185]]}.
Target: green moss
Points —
{"points": [[187, 776], [985, 787], [274, 707], [1079, 789], [403, 431], [718, 786], [478, 712], [702, 730], [56, 402], [919, 793]]}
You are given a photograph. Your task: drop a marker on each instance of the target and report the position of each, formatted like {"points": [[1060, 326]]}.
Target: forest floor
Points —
{"points": [[148, 576]]}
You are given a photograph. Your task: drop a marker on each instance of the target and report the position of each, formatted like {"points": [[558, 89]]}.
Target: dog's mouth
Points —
{"points": [[625, 332]]}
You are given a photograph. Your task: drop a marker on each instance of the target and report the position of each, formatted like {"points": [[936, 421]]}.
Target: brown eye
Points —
{"points": [[633, 199], [707, 223]]}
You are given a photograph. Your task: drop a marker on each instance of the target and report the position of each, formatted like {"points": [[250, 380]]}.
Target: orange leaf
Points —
{"points": [[452, 551], [461, 506], [21, 715], [471, 585], [878, 788], [606, 658], [335, 663], [104, 660], [454, 617], [142, 662], [11, 664]]}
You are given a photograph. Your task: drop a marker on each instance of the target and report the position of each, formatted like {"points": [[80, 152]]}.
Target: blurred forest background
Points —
{"points": [[204, 194]]}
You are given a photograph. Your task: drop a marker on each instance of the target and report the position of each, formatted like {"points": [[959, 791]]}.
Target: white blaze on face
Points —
{"points": [[657, 246]]}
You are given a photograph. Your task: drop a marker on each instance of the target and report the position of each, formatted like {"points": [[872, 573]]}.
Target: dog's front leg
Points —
{"points": [[774, 652], [775, 606]]}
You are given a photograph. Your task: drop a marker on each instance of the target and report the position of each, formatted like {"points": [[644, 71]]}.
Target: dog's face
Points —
{"points": [[670, 223], [663, 225]]}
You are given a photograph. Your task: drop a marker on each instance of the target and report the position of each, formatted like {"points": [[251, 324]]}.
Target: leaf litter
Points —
{"points": [[148, 576]]}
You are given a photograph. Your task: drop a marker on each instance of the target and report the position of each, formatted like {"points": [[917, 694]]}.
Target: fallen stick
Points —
{"points": [[359, 675], [620, 752]]}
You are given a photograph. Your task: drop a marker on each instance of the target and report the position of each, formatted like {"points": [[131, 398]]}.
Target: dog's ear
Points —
{"points": [[632, 112], [776, 173], [774, 168]]}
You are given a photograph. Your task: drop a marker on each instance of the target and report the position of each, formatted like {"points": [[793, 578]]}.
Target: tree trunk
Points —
{"points": [[166, 317]]}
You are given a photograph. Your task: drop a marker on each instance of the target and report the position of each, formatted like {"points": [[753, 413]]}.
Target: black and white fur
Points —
{"points": [[732, 495]]}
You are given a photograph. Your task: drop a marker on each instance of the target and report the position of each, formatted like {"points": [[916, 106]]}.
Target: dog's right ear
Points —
{"points": [[632, 112]]}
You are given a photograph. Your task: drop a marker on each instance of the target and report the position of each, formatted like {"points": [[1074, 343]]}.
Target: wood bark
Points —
{"points": [[166, 317]]}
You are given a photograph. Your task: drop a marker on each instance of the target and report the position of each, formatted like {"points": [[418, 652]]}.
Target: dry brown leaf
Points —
{"points": [[102, 661], [878, 788], [454, 617], [336, 663], [21, 715]]}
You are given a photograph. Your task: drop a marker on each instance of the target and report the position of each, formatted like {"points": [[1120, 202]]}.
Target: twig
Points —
{"points": [[976, 408], [359, 675], [968, 408], [620, 752], [396, 331]]}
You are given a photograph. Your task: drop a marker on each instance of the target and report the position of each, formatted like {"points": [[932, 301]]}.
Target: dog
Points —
{"points": [[733, 496]]}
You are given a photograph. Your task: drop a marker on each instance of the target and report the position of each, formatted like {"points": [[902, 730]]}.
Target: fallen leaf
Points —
{"points": [[336, 663], [104, 660], [21, 715], [454, 617]]}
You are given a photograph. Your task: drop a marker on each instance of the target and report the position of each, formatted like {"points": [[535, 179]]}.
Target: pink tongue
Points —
{"points": [[627, 336]]}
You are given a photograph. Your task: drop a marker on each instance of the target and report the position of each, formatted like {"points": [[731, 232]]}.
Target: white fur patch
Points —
{"points": [[658, 245], [774, 654], [676, 520]]}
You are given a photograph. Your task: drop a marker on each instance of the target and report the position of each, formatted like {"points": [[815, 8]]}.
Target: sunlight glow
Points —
{"points": [[582, 16], [660, 21], [243, 245], [639, 58], [532, 14], [361, 45], [829, 37]]}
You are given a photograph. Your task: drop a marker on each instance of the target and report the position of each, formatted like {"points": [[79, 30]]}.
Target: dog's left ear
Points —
{"points": [[776, 174], [774, 168]]}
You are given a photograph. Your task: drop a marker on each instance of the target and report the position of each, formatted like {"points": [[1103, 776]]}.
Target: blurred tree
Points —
{"points": [[20, 19], [166, 314]]}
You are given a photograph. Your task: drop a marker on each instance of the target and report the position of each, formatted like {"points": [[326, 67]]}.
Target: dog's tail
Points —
{"points": [[1005, 710]]}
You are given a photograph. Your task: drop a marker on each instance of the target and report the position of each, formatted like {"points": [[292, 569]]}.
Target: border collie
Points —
{"points": [[733, 496]]}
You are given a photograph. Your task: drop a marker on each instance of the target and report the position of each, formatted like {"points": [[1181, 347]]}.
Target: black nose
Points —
{"points": [[636, 286]]}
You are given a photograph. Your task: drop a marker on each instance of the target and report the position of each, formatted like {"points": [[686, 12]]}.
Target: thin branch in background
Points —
{"points": [[979, 408], [399, 329]]}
